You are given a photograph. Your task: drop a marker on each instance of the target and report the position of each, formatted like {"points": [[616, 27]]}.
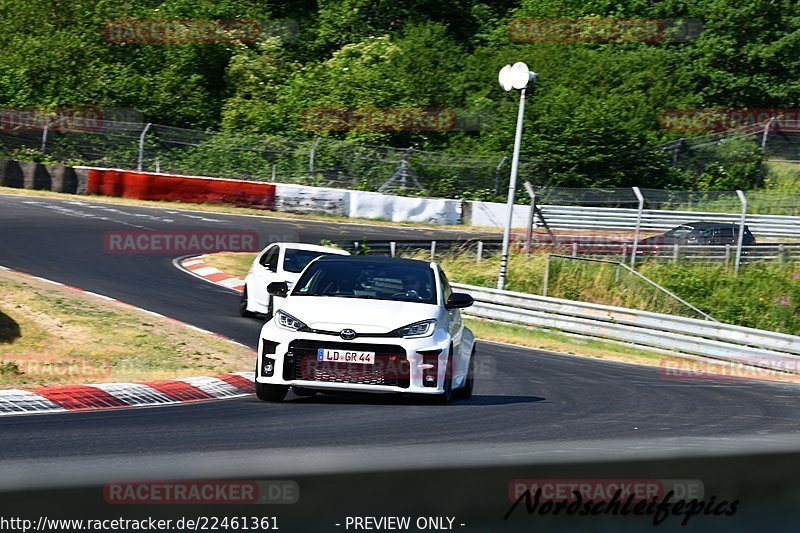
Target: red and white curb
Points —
{"points": [[60, 398], [200, 269]]}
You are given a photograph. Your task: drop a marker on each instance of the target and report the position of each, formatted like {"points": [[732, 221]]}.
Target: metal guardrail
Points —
{"points": [[402, 247], [726, 342], [622, 219], [605, 248]]}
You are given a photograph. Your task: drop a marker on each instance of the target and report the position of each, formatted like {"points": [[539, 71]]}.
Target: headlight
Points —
{"points": [[417, 329], [287, 321]]}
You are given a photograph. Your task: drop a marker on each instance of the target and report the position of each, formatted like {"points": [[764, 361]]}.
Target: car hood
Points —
{"points": [[657, 240], [364, 316]]}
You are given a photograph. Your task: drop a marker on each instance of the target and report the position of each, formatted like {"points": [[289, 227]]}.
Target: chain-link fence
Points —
{"points": [[324, 161], [319, 161]]}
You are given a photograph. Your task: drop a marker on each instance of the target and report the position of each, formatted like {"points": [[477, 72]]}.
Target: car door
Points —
{"points": [[723, 235], [456, 325], [264, 273]]}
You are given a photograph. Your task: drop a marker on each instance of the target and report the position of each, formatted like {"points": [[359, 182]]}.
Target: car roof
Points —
{"points": [[375, 259], [706, 225], [312, 247]]}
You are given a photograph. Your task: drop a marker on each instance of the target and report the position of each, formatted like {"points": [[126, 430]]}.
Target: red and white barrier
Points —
{"points": [[279, 197], [191, 189]]}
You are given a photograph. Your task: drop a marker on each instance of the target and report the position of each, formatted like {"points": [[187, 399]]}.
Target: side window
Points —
{"points": [[270, 259], [728, 235], [446, 290], [272, 262]]}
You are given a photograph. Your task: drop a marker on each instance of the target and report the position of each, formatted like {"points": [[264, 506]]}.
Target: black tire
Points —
{"points": [[465, 392], [447, 395], [271, 393], [243, 305], [300, 391]]}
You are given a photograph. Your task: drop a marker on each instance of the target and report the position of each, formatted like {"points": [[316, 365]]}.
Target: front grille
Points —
{"points": [[391, 366]]}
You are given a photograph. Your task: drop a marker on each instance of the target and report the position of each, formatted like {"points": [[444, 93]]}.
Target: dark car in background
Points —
{"points": [[698, 234]]}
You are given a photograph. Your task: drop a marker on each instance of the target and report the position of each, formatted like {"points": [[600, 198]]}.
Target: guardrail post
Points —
{"points": [[727, 255], [529, 229], [781, 254], [640, 198], [479, 254], [44, 135], [546, 279], [497, 174], [625, 253], [311, 155], [574, 249], [675, 253], [141, 147], [433, 250], [392, 246], [742, 222], [766, 133]]}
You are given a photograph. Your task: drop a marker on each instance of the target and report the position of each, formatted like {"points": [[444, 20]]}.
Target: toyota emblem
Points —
{"points": [[347, 334]]}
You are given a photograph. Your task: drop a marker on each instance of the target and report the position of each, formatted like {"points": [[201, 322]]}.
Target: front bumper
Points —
{"points": [[401, 365]]}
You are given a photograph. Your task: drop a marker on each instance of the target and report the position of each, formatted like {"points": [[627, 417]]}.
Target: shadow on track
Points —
{"points": [[398, 399]]}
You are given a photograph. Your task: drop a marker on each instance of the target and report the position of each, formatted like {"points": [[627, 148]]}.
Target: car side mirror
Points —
{"points": [[459, 300], [278, 288]]}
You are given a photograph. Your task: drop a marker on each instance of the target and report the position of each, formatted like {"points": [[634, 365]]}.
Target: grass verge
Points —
{"points": [[54, 335], [233, 263]]}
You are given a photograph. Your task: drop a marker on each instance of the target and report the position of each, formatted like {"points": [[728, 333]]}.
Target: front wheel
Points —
{"points": [[447, 395], [243, 305], [271, 393], [465, 392]]}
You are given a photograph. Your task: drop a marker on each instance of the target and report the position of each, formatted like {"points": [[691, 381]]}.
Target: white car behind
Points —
{"points": [[367, 324], [280, 261]]}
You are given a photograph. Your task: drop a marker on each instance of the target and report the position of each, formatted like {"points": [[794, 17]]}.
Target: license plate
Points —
{"points": [[346, 356]]}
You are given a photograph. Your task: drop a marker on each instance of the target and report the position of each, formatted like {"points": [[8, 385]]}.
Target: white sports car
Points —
{"points": [[367, 324], [280, 261]]}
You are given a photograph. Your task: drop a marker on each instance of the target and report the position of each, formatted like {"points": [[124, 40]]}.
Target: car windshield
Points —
{"points": [[368, 280], [296, 260], [679, 232]]}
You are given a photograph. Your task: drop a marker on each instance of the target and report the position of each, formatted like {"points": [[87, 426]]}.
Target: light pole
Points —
{"points": [[515, 76]]}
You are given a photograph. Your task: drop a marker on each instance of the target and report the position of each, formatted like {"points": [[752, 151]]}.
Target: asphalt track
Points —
{"points": [[524, 398]]}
